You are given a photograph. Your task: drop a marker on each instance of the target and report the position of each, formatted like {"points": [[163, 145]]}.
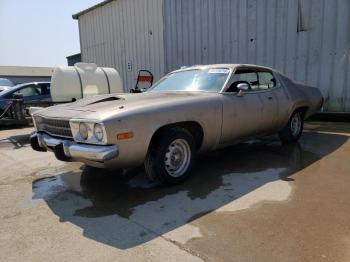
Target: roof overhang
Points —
{"points": [[26, 71], [76, 16]]}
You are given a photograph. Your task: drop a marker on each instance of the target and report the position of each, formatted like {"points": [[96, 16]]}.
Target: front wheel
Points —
{"points": [[170, 158], [294, 128]]}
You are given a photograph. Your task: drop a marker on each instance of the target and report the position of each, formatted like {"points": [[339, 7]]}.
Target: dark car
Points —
{"points": [[29, 92]]}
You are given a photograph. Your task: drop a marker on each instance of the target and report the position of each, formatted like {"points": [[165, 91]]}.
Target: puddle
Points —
{"points": [[50, 187]]}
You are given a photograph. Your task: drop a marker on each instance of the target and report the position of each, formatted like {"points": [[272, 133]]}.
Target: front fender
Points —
{"points": [[144, 125]]}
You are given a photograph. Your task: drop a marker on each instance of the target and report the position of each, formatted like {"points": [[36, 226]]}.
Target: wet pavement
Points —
{"points": [[256, 201]]}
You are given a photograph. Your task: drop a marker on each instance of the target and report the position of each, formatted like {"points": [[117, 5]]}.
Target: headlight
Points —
{"points": [[83, 131], [98, 132], [88, 131]]}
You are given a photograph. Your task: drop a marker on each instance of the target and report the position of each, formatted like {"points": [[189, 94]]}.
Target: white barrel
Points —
{"points": [[70, 83]]}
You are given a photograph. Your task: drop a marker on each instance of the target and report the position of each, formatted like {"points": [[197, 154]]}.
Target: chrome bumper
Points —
{"points": [[67, 150]]}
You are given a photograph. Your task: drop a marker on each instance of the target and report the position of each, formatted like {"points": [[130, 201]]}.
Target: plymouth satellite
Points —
{"points": [[189, 111]]}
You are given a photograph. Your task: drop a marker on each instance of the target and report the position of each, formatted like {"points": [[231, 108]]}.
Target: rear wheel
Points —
{"points": [[170, 158], [294, 128]]}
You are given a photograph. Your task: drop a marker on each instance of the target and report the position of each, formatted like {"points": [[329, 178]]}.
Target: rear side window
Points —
{"points": [[258, 80], [266, 80], [245, 75]]}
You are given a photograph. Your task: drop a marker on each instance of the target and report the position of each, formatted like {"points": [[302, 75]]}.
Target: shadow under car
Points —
{"points": [[124, 213]]}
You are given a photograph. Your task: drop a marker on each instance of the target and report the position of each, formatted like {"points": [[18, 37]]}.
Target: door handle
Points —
{"points": [[269, 97]]}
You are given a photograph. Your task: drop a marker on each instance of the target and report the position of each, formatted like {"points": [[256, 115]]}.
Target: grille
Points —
{"points": [[55, 127]]}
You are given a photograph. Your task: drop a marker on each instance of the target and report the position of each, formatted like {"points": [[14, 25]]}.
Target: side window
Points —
{"points": [[244, 76], [251, 78], [266, 80], [29, 91], [45, 89]]}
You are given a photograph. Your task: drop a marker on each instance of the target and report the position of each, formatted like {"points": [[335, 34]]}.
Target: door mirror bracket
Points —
{"points": [[242, 87]]}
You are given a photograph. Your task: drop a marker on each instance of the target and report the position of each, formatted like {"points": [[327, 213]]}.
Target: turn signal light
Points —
{"points": [[123, 136]]}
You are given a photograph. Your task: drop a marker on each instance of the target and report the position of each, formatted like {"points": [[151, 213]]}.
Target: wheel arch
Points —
{"points": [[192, 126], [304, 109]]}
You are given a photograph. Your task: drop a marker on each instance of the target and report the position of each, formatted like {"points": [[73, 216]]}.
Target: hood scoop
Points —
{"points": [[107, 99]]}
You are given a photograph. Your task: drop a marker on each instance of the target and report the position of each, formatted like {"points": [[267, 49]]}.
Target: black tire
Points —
{"points": [[290, 133], [156, 161]]}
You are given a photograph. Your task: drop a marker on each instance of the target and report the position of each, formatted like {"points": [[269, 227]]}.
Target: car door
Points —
{"points": [[242, 112], [268, 93], [30, 93]]}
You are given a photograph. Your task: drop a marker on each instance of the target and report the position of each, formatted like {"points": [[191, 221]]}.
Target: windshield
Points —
{"points": [[6, 82], [211, 80], [4, 93]]}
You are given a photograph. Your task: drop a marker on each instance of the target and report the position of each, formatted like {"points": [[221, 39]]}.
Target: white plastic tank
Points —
{"points": [[70, 83]]}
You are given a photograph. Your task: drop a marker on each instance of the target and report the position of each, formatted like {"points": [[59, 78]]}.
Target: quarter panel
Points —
{"points": [[302, 96]]}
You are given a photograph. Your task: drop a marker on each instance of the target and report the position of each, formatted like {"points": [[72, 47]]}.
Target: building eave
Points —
{"points": [[77, 15], [26, 71]]}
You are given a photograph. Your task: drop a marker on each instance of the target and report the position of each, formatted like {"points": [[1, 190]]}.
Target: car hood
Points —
{"points": [[104, 106]]}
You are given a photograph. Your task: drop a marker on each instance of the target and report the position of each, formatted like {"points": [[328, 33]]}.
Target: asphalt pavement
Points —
{"points": [[256, 201]]}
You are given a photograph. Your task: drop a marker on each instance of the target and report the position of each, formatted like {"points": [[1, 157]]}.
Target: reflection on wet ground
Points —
{"points": [[125, 210]]}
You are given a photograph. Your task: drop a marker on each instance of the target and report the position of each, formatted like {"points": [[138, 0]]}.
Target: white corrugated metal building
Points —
{"points": [[309, 40]]}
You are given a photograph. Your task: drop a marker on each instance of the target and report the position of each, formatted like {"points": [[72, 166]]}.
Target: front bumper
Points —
{"points": [[67, 150]]}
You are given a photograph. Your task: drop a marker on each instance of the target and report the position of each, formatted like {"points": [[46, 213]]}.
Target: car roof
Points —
{"points": [[229, 66], [28, 84], [17, 87]]}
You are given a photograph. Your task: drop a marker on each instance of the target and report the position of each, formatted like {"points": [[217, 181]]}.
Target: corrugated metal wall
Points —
{"points": [[309, 40], [124, 31]]}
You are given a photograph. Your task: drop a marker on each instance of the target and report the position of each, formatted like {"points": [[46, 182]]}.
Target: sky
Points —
{"points": [[39, 32]]}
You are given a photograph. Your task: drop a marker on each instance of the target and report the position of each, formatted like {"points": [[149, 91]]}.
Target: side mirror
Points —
{"points": [[242, 87], [135, 91], [17, 96]]}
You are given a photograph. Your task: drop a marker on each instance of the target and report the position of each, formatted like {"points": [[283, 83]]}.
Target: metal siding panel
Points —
{"points": [[234, 29], [292, 36], [109, 36], [198, 47], [184, 23], [218, 45], [252, 31], [270, 32], [279, 36], [226, 36], [205, 32], [302, 53], [243, 30], [127, 38], [261, 32], [339, 55], [211, 33], [346, 57], [122, 31], [314, 33], [328, 40], [120, 55], [104, 34]]}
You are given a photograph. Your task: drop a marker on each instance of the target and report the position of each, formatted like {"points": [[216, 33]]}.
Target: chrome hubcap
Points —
{"points": [[177, 158], [295, 124]]}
